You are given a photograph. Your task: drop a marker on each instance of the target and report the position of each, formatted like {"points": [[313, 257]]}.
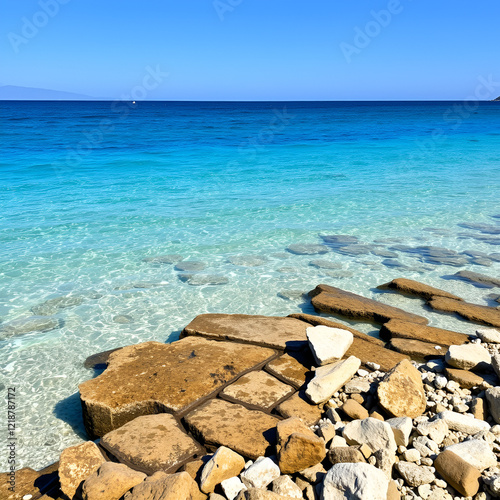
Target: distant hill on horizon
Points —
{"points": [[15, 93], [497, 99]]}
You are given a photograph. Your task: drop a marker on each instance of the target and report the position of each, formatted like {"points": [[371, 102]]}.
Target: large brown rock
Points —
{"points": [[224, 464], [267, 331], [28, 482], [416, 289], [465, 378], [405, 330], [151, 443], [251, 433], [367, 352], [76, 464], [257, 390], [417, 349], [345, 455], [152, 377], [331, 300], [291, 368], [483, 315], [401, 392], [299, 406], [111, 481], [298, 447], [458, 473]]}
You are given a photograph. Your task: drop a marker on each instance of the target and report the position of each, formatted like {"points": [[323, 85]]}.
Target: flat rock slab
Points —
{"points": [[148, 378], [299, 406], [479, 314], [292, 368], [151, 443], [250, 433], [417, 349], [331, 300], [257, 390], [267, 331], [465, 378], [402, 329], [478, 279], [416, 289], [29, 482]]}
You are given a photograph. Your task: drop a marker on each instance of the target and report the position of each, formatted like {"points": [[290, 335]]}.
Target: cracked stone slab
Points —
{"points": [[479, 314], [416, 289]]}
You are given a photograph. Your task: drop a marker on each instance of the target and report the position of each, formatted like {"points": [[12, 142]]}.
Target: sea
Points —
{"points": [[120, 222]]}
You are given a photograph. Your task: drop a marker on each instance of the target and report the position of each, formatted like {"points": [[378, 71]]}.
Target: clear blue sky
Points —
{"points": [[252, 49]]}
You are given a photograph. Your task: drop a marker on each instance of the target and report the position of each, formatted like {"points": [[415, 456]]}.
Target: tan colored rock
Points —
{"points": [[76, 464], [257, 390], [169, 377], [258, 494], [345, 454], [416, 349], [368, 352], [393, 492], [220, 423], [195, 467], [267, 331], [401, 392], [478, 409], [314, 474], [354, 410], [224, 464], [458, 473], [111, 481], [151, 443], [483, 315], [299, 406], [286, 487], [28, 482], [396, 328], [416, 289], [291, 368], [298, 447], [468, 357], [333, 300], [465, 378]]}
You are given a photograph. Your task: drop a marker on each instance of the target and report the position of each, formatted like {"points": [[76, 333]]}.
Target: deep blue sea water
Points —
{"points": [[91, 189]]}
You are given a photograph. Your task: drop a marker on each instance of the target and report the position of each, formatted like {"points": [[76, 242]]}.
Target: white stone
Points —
{"points": [[232, 487], [440, 381], [338, 442], [437, 430], [363, 373], [414, 475], [286, 487], [476, 452], [463, 422], [357, 386], [493, 398], [493, 484], [467, 356], [330, 378], [401, 427], [328, 345], [326, 430], [261, 473], [495, 362], [489, 335], [412, 455], [372, 366], [376, 434], [358, 481]]}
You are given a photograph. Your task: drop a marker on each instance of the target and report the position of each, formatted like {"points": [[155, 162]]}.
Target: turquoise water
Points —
{"points": [[91, 191]]}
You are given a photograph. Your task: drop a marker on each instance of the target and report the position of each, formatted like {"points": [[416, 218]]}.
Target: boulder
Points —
{"points": [[257, 390], [479, 279], [463, 422], [291, 368], [251, 433], [330, 378], [298, 447], [401, 392], [358, 481], [372, 432], [284, 486], [493, 398], [345, 454], [163, 377], [401, 427], [29, 483], [225, 463], [111, 481], [413, 474], [231, 488], [483, 315], [468, 357], [267, 331], [76, 464], [333, 300], [299, 406], [328, 345], [261, 473], [151, 443], [416, 289], [475, 452], [489, 335], [458, 473]]}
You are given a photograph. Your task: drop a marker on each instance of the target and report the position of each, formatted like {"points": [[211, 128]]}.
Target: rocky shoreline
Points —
{"points": [[255, 407]]}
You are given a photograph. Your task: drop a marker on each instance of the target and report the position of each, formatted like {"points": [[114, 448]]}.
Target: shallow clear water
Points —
{"points": [[89, 190]]}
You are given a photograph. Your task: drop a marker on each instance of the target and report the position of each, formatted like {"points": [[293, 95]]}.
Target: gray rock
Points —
{"points": [[339, 239], [463, 422], [376, 434], [380, 252], [493, 398], [123, 319], [248, 260], [307, 249], [489, 335], [164, 259], [190, 266], [476, 452], [401, 427], [478, 279], [325, 264], [27, 325], [436, 430], [203, 279], [413, 474], [286, 487], [355, 249], [292, 295], [53, 306]]}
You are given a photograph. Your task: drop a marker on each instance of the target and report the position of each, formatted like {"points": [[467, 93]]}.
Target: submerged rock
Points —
{"points": [[355, 249], [416, 289], [53, 306], [190, 265], [339, 239], [307, 249], [325, 264], [248, 260], [292, 295], [27, 325], [203, 279], [478, 279], [164, 259], [123, 319]]}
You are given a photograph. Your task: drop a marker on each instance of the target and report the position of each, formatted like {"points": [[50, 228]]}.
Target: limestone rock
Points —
{"points": [[464, 378], [437, 430], [358, 481], [225, 463], [232, 487], [416, 289], [458, 473], [493, 484], [413, 474], [493, 398], [328, 345], [76, 464], [368, 352], [261, 473], [401, 427], [111, 481], [284, 486], [29, 482], [330, 378], [298, 447], [292, 368], [401, 392], [475, 452], [345, 454], [299, 406], [495, 362], [375, 433], [151, 443], [267, 331], [333, 300], [468, 357], [463, 423], [489, 335], [258, 494], [418, 350], [173, 377], [220, 423]]}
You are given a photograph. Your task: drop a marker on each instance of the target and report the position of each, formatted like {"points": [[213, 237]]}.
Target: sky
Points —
{"points": [[251, 49]]}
